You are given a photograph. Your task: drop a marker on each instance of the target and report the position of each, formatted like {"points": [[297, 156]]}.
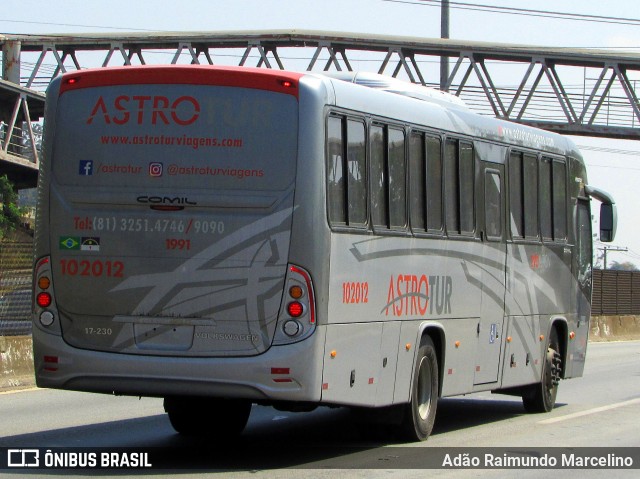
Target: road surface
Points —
{"points": [[601, 409]]}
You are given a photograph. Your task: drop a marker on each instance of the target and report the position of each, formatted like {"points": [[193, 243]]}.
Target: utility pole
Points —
{"points": [[611, 248], [444, 34]]}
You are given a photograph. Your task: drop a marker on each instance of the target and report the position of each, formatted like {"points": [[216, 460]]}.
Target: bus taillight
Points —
{"points": [[43, 294], [297, 318], [309, 288], [295, 309], [43, 300]]}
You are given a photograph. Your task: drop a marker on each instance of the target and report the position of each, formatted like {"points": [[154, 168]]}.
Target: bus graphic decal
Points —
{"points": [[194, 288]]}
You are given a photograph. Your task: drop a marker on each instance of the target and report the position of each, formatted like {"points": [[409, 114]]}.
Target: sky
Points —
{"points": [[617, 172]]}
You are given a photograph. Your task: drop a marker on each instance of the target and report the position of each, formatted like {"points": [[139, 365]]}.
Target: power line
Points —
{"points": [[427, 3], [616, 151], [610, 167], [524, 12], [74, 25]]}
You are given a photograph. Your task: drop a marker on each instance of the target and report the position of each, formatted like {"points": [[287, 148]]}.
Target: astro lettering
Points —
{"points": [[412, 295], [140, 109]]}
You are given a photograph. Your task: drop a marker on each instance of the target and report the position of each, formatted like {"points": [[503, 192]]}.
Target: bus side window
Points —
{"points": [[435, 219], [546, 212], [559, 200], [459, 187], [346, 172], [417, 182], [356, 174], [530, 193], [336, 189], [425, 176], [492, 205], [379, 180], [451, 191], [516, 197], [523, 195], [397, 179], [467, 190]]}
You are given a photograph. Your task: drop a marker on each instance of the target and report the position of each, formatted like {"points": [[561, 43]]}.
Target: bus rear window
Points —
{"points": [[176, 136]]}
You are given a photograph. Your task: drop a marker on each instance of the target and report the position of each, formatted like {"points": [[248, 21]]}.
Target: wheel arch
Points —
{"points": [[560, 324]]}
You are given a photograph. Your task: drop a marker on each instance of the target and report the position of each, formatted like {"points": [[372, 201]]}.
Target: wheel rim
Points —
{"points": [[552, 373], [424, 389]]}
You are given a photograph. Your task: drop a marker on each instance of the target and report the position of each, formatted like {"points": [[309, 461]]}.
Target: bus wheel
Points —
{"points": [[541, 397], [420, 413], [199, 416]]}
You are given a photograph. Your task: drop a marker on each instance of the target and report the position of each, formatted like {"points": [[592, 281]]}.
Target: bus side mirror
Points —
{"points": [[608, 222]]}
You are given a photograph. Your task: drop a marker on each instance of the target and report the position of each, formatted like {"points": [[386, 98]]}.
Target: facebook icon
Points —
{"points": [[86, 168]]}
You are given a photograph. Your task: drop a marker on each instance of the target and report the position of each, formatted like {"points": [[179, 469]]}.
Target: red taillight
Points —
{"points": [[43, 300], [307, 280], [295, 309]]}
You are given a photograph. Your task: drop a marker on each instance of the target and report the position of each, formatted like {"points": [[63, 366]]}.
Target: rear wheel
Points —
{"points": [[541, 397], [211, 417], [420, 413]]}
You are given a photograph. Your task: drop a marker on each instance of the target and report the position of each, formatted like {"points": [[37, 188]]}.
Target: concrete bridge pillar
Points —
{"points": [[11, 61]]}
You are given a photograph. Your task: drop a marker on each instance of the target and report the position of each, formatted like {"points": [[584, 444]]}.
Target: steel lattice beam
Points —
{"points": [[577, 91]]}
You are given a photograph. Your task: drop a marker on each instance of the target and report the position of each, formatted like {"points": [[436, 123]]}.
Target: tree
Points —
{"points": [[626, 266], [10, 213]]}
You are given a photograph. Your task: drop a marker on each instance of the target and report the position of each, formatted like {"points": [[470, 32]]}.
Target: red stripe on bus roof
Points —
{"points": [[244, 77]]}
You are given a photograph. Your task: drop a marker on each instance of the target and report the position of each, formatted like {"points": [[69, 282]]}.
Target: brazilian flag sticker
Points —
{"points": [[69, 243]]}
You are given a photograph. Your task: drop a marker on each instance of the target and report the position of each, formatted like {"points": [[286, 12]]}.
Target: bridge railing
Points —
{"points": [[574, 91]]}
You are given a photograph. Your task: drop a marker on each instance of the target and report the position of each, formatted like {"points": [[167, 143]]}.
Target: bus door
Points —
{"points": [[490, 324], [582, 260]]}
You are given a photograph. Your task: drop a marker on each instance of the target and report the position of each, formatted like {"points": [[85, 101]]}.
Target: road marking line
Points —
{"points": [[18, 391], [590, 411]]}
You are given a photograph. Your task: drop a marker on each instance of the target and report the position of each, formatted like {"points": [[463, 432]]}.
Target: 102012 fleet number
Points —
{"points": [[355, 292], [95, 268]]}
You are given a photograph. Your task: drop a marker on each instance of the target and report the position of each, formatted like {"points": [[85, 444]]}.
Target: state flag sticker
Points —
{"points": [[90, 244]]}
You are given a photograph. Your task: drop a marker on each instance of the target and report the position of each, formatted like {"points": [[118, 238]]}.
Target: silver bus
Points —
{"points": [[221, 237]]}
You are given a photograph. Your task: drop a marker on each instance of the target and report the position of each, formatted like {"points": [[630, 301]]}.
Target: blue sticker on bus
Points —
{"points": [[85, 168]]}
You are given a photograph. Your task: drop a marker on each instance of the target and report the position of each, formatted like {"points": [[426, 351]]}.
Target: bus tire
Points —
{"points": [[420, 412], [541, 397], [199, 416]]}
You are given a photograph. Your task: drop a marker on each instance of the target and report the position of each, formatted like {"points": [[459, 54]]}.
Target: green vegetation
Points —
{"points": [[10, 212]]}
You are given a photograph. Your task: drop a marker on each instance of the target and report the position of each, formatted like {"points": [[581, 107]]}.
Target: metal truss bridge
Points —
{"points": [[571, 91]]}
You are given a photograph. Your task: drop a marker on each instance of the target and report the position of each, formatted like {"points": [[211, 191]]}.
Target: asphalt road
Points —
{"points": [[601, 409]]}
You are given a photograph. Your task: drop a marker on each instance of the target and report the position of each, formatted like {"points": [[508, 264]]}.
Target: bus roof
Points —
{"points": [[419, 105]]}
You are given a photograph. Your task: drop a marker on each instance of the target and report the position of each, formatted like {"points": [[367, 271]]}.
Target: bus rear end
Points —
{"points": [[164, 218]]}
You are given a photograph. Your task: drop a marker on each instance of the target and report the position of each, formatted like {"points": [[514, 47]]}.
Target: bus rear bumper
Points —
{"points": [[283, 373]]}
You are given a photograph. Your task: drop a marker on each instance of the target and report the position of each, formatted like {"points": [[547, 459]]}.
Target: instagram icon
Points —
{"points": [[155, 170]]}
